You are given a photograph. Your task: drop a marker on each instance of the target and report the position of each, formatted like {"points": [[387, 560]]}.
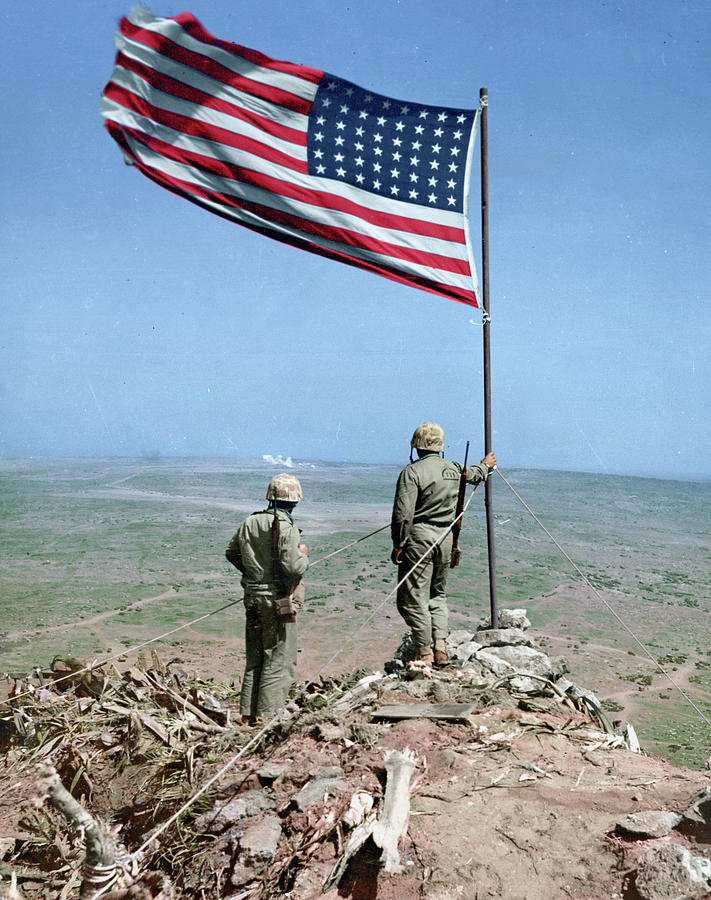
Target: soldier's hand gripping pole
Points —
{"points": [[457, 527]]}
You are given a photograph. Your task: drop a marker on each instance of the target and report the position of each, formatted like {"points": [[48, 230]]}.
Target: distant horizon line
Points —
{"points": [[158, 457]]}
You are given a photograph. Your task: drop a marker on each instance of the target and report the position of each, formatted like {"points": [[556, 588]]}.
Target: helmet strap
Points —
{"points": [[410, 454]]}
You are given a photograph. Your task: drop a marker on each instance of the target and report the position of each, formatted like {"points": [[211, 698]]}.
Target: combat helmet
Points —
{"points": [[428, 436], [287, 487]]}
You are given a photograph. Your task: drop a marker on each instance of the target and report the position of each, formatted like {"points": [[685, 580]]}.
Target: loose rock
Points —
{"points": [[316, 789], [326, 731], [699, 811], [513, 618], [259, 841], [502, 637], [224, 814], [651, 823], [524, 660], [463, 652], [671, 872]]}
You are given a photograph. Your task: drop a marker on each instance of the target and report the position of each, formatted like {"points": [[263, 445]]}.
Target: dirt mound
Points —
{"points": [[514, 793]]}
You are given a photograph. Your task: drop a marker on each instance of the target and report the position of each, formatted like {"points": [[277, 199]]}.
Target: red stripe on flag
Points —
{"points": [[209, 67], [195, 95], [195, 29], [322, 199], [197, 128], [195, 193], [303, 210]]}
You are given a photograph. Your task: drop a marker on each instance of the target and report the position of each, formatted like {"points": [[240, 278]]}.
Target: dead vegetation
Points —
{"points": [[319, 801]]}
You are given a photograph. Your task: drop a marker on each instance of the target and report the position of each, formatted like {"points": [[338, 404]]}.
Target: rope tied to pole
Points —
{"points": [[97, 664], [608, 606]]}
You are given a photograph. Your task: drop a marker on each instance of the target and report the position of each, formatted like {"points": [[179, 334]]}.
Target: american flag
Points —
{"points": [[295, 153]]}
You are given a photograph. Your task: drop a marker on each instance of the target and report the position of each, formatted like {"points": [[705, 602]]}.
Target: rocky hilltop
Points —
{"points": [[494, 777]]}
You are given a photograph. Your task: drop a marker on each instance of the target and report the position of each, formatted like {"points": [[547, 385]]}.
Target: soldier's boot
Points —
{"points": [[424, 654], [441, 653]]}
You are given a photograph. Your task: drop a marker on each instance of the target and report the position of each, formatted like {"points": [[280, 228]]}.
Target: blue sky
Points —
{"points": [[134, 323]]}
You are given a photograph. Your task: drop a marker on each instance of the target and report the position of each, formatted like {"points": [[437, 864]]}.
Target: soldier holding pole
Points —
{"points": [[424, 508]]}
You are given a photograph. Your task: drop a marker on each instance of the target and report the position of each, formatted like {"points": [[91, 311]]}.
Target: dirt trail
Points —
{"points": [[628, 695], [94, 620]]}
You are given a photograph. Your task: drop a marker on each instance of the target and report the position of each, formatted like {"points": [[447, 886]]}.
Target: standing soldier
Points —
{"points": [[424, 507], [267, 551]]}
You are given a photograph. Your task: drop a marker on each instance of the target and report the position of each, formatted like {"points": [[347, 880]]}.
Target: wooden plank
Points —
{"points": [[452, 711]]}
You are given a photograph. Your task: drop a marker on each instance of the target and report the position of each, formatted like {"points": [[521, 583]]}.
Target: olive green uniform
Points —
{"points": [[425, 506], [270, 641]]}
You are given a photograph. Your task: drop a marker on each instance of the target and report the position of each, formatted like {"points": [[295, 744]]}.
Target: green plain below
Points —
{"points": [[99, 555]]}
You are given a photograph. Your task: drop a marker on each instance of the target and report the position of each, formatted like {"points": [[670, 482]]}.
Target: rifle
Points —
{"points": [[284, 605], [457, 527], [276, 562]]}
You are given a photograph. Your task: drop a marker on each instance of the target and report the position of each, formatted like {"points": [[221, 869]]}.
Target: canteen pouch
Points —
{"points": [[288, 605]]}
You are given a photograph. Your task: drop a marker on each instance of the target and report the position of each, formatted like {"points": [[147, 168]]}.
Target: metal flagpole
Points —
{"points": [[488, 488]]}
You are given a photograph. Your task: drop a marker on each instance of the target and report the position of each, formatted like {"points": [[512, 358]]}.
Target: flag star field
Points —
{"points": [[403, 150]]}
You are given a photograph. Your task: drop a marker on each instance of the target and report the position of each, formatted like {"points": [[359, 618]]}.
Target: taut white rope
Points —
{"points": [[609, 607], [228, 765], [129, 650]]}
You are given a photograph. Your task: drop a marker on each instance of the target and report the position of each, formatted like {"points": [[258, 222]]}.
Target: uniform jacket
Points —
{"points": [[427, 492], [250, 550]]}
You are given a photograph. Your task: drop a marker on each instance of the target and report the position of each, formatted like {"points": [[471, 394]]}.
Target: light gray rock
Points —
{"points": [[519, 659], [315, 790], [699, 811], [258, 845], [271, 772], [559, 666], [242, 875], [502, 637], [525, 685], [255, 802], [464, 652], [326, 731], [578, 693], [259, 841], [671, 872], [474, 672], [491, 664], [222, 815], [326, 772], [513, 618], [459, 637], [651, 823]]}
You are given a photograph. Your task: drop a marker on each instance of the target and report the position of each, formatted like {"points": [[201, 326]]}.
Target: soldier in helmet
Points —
{"points": [[424, 507], [268, 553]]}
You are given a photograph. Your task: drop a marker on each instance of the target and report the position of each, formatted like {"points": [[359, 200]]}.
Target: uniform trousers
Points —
{"points": [[270, 666], [422, 599]]}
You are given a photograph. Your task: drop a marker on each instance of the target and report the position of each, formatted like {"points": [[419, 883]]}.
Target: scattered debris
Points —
{"points": [[456, 712], [322, 796], [387, 830]]}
